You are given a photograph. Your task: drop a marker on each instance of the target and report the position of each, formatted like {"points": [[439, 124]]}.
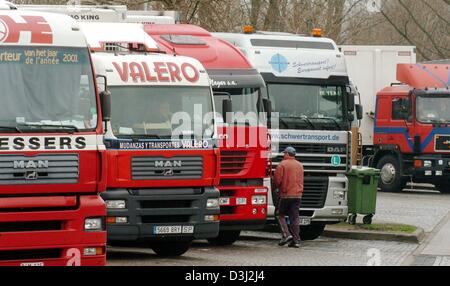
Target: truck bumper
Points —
{"points": [[56, 247], [335, 210], [237, 211], [434, 167], [150, 208]]}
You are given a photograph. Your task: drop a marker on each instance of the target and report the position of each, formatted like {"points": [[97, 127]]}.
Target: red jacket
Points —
{"points": [[289, 178]]}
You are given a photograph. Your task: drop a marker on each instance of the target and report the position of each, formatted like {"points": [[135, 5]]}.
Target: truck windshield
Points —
{"points": [[245, 102], [307, 106], [433, 109], [162, 112], [46, 89]]}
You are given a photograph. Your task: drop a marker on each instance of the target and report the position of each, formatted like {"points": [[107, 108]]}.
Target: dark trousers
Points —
{"points": [[289, 208]]}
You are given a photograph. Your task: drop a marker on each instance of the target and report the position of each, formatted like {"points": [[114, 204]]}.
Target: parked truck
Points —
{"points": [[161, 142], [52, 157], [371, 68], [243, 139], [307, 82], [412, 128]]}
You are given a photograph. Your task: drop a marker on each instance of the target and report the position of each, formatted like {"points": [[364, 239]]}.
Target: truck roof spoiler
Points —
{"points": [[423, 76]]}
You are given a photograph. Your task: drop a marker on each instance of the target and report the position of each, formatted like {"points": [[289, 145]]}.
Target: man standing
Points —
{"points": [[289, 180]]}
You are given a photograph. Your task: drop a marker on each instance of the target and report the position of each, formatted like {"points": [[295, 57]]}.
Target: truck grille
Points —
{"points": [[315, 193], [41, 169], [232, 162], [30, 254], [317, 158], [30, 226], [160, 168]]}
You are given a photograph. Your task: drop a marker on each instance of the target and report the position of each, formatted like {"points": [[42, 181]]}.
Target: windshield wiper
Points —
{"points": [[11, 128], [141, 136], [73, 128], [330, 119], [305, 119], [284, 122]]}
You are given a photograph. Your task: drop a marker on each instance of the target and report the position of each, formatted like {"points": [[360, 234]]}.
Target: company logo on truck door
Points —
{"points": [[167, 72], [17, 30], [279, 63]]}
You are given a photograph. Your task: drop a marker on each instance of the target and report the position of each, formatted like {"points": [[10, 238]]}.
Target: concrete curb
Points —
{"points": [[417, 237]]}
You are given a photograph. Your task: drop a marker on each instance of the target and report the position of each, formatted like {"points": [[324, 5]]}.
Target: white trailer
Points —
{"points": [[371, 68]]}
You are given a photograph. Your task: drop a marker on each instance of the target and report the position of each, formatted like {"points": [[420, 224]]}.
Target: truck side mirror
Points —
{"points": [[359, 111], [105, 99], [351, 101], [105, 102], [267, 106], [351, 117], [227, 108], [268, 109]]}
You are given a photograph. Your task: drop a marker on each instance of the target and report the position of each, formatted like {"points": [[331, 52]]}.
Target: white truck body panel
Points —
{"points": [[107, 13], [313, 58], [97, 34], [139, 68], [39, 29], [372, 68]]}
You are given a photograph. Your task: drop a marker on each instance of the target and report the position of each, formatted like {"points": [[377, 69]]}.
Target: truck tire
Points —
{"points": [[391, 176], [311, 232], [225, 238], [171, 249]]}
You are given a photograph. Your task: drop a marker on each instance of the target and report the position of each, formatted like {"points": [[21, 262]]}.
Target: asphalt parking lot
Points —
{"points": [[426, 209]]}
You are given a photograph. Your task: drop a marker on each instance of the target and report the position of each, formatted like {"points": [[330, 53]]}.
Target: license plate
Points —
{"points": [[305, 221], [32, 264], [167, 230], [176, 229], [188, 229], [224, 201]]}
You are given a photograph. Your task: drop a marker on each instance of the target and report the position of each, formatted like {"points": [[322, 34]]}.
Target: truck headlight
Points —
{"points": [[116, 204], [260, 191], [212, 203], [259, 200], [93, 224], [427, 164], [339, 195]]}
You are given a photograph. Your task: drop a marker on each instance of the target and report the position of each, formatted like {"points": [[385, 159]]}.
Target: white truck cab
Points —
{"points": [[307, 84]]}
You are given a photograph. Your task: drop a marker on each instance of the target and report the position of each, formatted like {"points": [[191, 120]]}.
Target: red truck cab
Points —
{"points": [[161, 142], [52, 156], [243, 136], [412, 128]]}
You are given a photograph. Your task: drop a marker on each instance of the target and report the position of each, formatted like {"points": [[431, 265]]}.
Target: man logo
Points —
{"points": [[22, 164], [168, 164], [3, 31], [36, 26]]}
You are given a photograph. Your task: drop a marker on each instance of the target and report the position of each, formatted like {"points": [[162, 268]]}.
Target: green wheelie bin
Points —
{"points": [[362, 193]]}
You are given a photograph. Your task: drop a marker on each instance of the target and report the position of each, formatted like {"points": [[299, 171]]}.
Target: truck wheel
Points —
{"points": [[391, 177], [352, 219], [311, 232], [225, 238], [368, 219], [171, 249]]}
